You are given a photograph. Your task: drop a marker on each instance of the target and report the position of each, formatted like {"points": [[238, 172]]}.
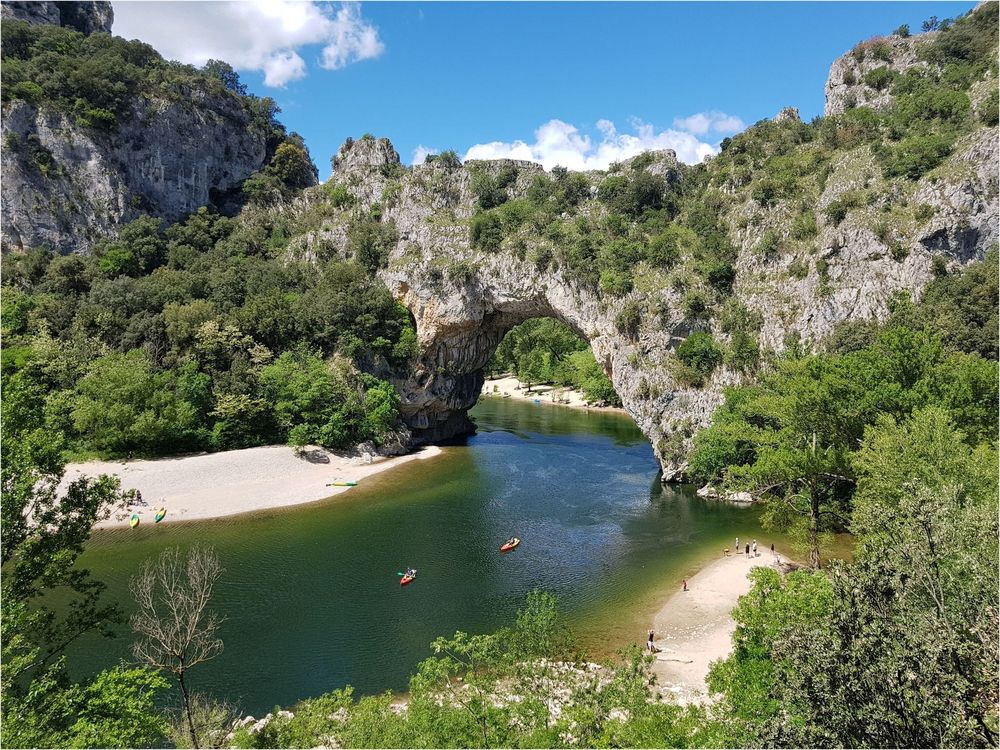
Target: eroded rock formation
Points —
{"points": [[464, 299]]}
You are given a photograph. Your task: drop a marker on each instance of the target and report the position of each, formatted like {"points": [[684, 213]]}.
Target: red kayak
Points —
{"points": [[509, 544], [408, 578]]}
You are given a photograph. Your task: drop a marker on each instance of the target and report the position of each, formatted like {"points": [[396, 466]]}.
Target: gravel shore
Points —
{"points": [[695, 627], [223, 484]]}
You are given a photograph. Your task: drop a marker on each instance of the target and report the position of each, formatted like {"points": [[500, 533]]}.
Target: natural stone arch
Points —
{"points": [[464, 298]]}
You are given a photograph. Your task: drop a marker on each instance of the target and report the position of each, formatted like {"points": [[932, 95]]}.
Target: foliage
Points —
{"points": [[156, 343], [99, 79], [544, 350], [700, 352], [522, 686], [791, 436], [899, 648]]}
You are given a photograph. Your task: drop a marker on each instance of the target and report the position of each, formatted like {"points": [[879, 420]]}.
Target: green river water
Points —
{"points": [[311, 597]]}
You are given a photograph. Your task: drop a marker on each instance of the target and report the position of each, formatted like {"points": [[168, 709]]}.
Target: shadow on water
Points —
{"points": [[311, 596]]}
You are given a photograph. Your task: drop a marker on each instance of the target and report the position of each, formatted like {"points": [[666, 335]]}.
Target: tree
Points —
{"points": [[44, 532], [227, 75], [176, 631]]}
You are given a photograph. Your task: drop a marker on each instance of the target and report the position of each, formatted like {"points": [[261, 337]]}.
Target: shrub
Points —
{"points": [[695, 304], [629, 318], [804, 226], [798, 269], [700, 352], [902, 31], [849, 78], [768, 244], [615, 283], [486, 231], [837, 210], [914, 156], [338, 194], [880, 78], [989, 109]]}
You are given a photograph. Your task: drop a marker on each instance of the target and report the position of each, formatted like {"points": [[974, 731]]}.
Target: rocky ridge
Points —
{"points": [[464, 300]]}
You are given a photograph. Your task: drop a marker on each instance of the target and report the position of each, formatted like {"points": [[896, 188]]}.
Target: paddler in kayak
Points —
{"points": [[510, 544]]}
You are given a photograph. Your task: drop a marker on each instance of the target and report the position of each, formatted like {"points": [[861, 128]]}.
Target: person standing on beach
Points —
{"points": [[685, 584], [649, 641], [755, 548], [748, 550], [737, 548]]}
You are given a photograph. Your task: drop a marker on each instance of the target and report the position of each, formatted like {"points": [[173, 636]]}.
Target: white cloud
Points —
{"points": [[283, 67], [262, 35], [420, 153], [558, 143], [702, 122], [351, 39]]}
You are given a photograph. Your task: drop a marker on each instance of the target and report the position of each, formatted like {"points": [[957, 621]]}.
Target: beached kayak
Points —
{"points": [[408, 578], [510, 544], [134, 520], [160, 514], [343, 484]]}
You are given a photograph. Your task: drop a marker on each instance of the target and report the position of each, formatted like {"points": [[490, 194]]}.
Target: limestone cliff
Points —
{"points": [[86, 16], [73, 172], [169, 159], [465, 299]]}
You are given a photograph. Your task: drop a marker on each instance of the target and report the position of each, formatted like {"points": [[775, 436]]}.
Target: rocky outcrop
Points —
{"points": [[66, 186], [854, 80], [464, 299], [86, 16]]}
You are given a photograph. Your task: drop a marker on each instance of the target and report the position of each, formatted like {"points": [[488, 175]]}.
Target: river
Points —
{"points": [[311, 597]]}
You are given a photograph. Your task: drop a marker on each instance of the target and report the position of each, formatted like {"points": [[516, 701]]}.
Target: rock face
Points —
{"points": [[87, 16], [168, 160], [464, 300], [851, 82], [66, 186]]}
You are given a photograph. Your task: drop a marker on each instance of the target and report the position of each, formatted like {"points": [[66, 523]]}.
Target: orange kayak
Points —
{"points": [[407, 578], [510, 544]]}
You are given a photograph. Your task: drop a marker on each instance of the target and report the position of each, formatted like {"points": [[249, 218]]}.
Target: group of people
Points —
{"points": [[750, 549]]}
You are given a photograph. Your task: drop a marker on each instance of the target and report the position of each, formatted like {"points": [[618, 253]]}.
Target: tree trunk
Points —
{"points": [[814, 531], [187, 708]]}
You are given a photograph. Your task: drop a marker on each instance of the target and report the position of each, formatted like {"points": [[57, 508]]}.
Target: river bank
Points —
{"points": [[695, 627], [511, 387], [214, 485]]}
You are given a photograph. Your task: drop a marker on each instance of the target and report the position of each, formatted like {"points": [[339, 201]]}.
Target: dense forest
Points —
{"points": [[207, 335]]}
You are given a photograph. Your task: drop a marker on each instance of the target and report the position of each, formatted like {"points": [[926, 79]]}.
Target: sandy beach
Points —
{"points": [[223, 484], [547, 394], [695, 627]]}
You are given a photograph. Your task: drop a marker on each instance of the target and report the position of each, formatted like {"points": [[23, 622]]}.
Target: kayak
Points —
{"points": [[159, 515], [407, 578], [134, 520], [509, 545], [343, 484]]}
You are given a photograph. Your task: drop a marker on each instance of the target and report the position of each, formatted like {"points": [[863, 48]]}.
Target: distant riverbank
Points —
{"points": [[213, 485], [549, 394]]}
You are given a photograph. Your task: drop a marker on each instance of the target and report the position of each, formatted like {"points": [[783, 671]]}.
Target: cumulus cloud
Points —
{"points": [[420, 153], [558, 143], [262, 35], [703, 122]]}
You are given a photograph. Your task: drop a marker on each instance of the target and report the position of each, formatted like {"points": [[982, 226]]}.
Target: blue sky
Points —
{"points": [[454, 75]]}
